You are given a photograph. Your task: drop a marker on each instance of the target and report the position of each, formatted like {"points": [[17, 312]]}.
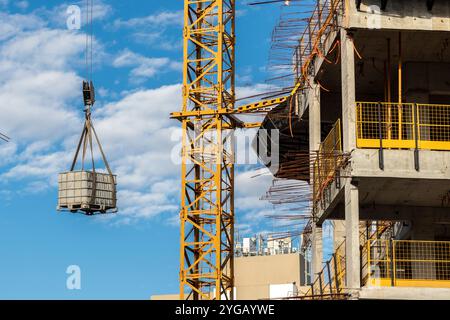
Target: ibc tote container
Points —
{"points": [[87, 191]]}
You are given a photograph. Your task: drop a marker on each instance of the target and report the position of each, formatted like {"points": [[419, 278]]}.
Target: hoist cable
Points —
{"points": [[89, 7], [87, 42], [92, 37]]}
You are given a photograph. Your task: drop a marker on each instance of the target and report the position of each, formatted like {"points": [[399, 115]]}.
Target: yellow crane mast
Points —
{"points": [[207, 170], [207, 208]]}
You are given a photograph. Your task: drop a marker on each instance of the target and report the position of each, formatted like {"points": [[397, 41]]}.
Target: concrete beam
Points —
{"points": [[378, 212], [400, 15], [403, 213], [404, 293], [400, 164]]}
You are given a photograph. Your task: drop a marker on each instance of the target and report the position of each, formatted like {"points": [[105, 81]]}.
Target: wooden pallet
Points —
{"points": [[87, 209]]}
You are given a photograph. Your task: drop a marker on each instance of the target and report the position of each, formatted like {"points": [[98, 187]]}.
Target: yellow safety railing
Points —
{"points": [[408, 263], [330, 282], [329, 158], [403, 126], [373, 230]]}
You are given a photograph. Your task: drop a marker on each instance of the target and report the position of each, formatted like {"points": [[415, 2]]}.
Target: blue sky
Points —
{"points": [[137, 74]]}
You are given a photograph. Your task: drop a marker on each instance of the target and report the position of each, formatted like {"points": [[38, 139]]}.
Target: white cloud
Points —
{"points": [[22, 4], [251, 90], [135, 132], [36, 84], [142, 67], [152, 30], [7, 152], [57, 49], [38, 88], [158, 20], [12, 24], [158, 39], [39, 166], [57, 16], [147, 203], [250, 187], [41, 111]]}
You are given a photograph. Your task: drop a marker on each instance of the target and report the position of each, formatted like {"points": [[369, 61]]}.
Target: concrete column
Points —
{"points": [[317, 251], [348, 92], [338, 233], [314, 116], [314, 143], [350, 10], [352, 253]]}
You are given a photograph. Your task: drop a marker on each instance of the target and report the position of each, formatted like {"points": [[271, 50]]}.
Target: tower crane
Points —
{"points": [[208, 114], [208, 117]]}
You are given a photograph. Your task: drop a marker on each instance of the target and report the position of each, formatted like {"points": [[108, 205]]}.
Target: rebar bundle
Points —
{"points": [[298, 38]]}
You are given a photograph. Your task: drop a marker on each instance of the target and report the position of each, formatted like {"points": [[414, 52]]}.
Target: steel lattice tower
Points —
{"points": [[207, 208]]}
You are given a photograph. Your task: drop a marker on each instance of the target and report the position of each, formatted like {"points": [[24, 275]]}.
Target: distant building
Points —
{"points": [[265, 277]]}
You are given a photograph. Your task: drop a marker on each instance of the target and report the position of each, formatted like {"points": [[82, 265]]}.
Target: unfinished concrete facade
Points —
{"points": [[384, 75]]}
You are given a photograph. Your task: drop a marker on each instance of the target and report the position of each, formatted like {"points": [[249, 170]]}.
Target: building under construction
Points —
{"points": [[364, 143], [374, 109]]}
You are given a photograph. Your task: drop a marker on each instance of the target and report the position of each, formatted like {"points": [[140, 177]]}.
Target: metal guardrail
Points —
{"points": [[330, 282], [374, 230], [408, 263], [329, 159], [403, 126]]}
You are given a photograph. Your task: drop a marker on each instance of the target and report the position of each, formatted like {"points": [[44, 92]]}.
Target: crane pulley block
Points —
{"points": [[88, 93]]}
